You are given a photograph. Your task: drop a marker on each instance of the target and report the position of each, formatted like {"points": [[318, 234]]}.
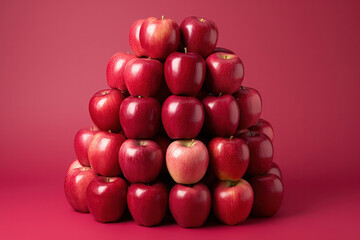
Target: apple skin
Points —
{"points": [[75, 185], [140, 117], [229, 157], [268, 195], [148, 204], [106, 198], [187, 161], [222, 115], [190, 205], [81, 144], [275, 169], [134, 38], [182, 117], [264, 127], [104, 109], [224, 50], [75, 164], [140, 160], [225, 73], [232, 201], [103, 153], [199, 35], [115, 70], [261, 152], [184, 73], [250, 105], [143, 76], [159, 37]]}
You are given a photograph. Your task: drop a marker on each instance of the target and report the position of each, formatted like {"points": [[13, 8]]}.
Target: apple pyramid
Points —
{"points": [[177, 131]]}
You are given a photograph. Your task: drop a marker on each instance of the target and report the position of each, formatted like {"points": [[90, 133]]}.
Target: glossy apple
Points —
{"points": [[199, 35], [140, 160], [222, 115], [104, 109], [275, 169], [140, 117], [232, 201], [134, 38], [182, 117], [261, 152], [224, 50], [184, 73], [187, 161], [229, 157], [250, 105], [268, 195], [115, 70], [81, 144], [147, 203], [190, 205], [264, 127], [159, 37], [106, 198], [103, 153], [225, 73], [75, 185], [143, 76]]}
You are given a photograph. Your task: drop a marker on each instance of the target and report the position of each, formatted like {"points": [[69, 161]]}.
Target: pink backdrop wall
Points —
{"points": [[303, 57]]}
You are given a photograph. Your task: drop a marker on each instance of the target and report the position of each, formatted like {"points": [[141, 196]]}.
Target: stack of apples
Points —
{"points": [[177, 133]]}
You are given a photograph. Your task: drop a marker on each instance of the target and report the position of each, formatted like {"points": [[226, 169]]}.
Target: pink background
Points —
{"points": [[303, 57]]}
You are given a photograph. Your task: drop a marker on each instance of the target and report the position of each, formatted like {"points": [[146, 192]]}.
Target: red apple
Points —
{"points": [[190, 205], [74, 164], [106, 198], [184, 73], [81, 144], [187, 161], [75, 185], [103, 153], [182, 117], [221, 115], [140, 160], [115, 70], [134, 38], [264, 127], [159, 37], [199, 35], [225, 73], [143, 76], [104, 109], [261, 152], [232, 201], [274, 169], [147, 203], [140, 117], [224, 50], [229, 157], [249, 101]]}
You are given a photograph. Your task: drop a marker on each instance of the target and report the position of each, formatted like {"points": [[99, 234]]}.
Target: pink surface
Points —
{"points": [[302, 56]]}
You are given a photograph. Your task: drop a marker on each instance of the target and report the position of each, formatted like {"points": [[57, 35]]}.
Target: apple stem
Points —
{"points": [[185, 49], [109, 131], [202, 20], [220, 94], [107, 179], [162, 17], [251, 134], [231, 137], [139, 96]]}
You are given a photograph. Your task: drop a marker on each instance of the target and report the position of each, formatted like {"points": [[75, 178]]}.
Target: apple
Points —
{"points": [[147, 203], [182, 116], [274, 169], [103, 153], [261, 152], [115, 70], [134, 38], [225, 73], [76, 182], [187, 161], [104, 109], [184, 73], [222, 115], [159, 37], [199, 35], [232, 201], [140, 160], [75, 164], [81, 144], [140, 117], [264, 127], [224, 50], [190, 205], [106, 198], [229, 157], [143, 76], [249, 101], [268, 194]]}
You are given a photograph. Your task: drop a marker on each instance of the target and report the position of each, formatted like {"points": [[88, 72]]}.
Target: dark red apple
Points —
{"points": [[81, 144], [224, 50], [264, 127], [134, 38], [274, 169]]}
